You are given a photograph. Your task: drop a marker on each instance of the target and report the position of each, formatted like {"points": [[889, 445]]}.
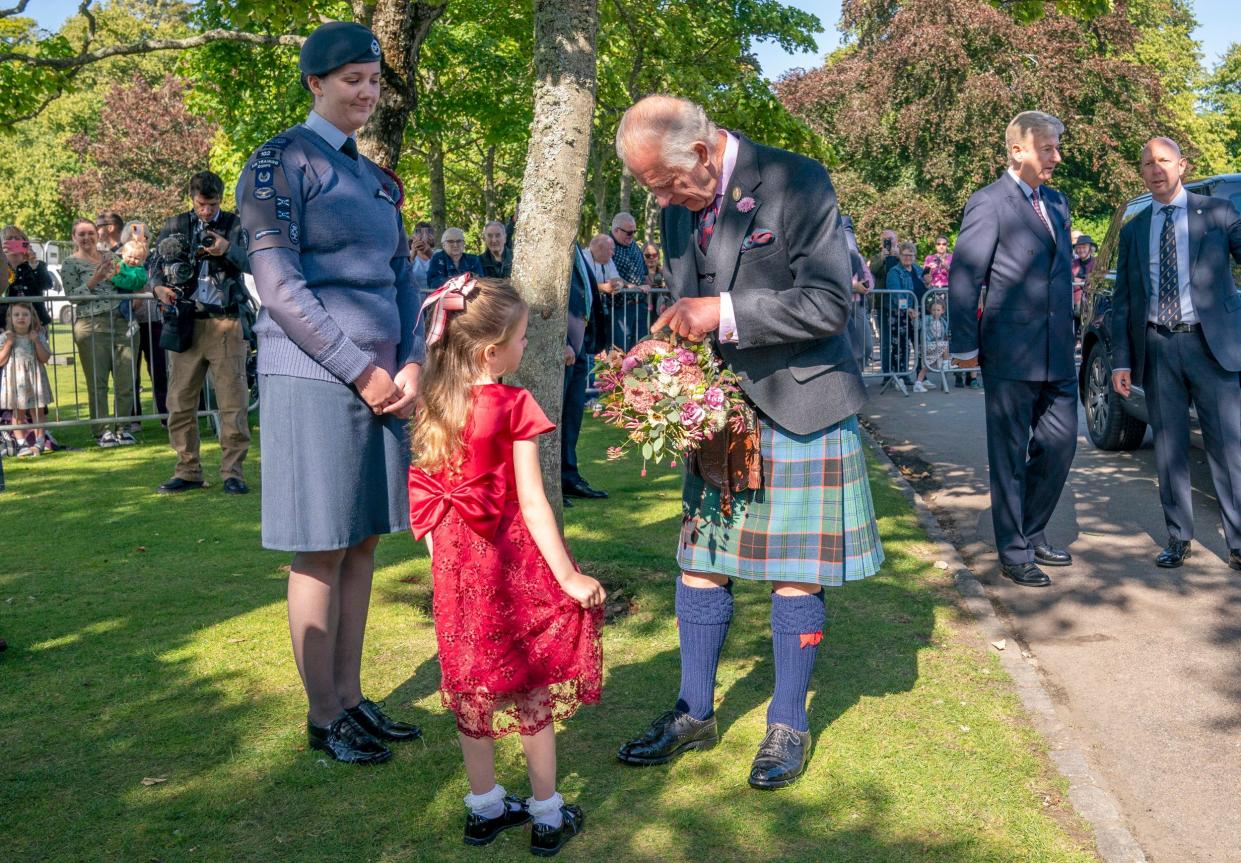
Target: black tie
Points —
{"points": [[350, 148], [1169, 313]]}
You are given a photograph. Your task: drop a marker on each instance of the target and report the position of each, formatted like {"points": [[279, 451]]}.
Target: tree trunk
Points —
{"points": [[651, 217], [401, 28], [435, 178], [551, 202], [599, 187], [489, 183], [626, 192]]}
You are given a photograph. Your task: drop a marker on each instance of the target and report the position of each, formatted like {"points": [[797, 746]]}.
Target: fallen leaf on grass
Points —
{"points": [[142, 548], [237, 640], [154, 780], [941, 564], [964, 728], [1001, 644]]}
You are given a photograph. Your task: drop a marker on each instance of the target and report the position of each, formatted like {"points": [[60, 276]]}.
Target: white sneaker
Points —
{"points": [[107, 439], [919, 387], [125, 439], [30, 452]]}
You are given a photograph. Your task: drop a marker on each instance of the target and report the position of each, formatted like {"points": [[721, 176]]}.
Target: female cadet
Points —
{"points": [[340, 349]]}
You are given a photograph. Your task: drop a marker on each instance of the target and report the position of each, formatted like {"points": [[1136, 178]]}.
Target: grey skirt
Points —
{"points": [[333, 472]]}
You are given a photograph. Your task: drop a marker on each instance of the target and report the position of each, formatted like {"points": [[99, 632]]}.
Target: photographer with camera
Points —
{"points": [[196, 273]]}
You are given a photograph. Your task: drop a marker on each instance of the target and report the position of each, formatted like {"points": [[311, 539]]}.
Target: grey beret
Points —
{"points": [[336, 44]]}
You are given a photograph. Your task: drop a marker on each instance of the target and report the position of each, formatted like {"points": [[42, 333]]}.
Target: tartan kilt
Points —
{"points": [[813, 521]]}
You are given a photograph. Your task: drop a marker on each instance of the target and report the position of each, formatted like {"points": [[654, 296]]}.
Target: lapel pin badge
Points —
{"points": [[737, 194], [1199, 212]]}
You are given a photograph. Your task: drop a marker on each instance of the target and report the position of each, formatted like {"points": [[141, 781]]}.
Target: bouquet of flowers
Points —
{"points": [[670, 396]]}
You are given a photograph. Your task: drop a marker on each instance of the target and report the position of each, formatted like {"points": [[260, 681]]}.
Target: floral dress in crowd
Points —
{"points": [[516, 652], [23, 379]]}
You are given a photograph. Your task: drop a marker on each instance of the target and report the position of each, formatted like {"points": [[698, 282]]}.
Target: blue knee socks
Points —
{"points": [[703, 615], [796, 630]]}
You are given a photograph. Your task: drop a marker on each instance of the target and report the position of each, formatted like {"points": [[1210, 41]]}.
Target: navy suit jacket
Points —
{"points": [[1026, 329], [585, 336], [1214, 238], [792, 296]]}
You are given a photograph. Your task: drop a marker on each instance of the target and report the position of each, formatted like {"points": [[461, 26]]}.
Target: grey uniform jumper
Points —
{"points": [[329, 256]]}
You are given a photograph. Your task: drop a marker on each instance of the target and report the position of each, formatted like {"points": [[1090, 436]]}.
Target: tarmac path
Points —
{"points": [[1143, 664]]}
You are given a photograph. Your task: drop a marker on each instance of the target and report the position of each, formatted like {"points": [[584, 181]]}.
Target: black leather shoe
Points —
{"points": [[483, 831], [1174, 554], [568, 504], [668, 736], [1025, 574], [547, 841], [781, 757], [1050, 556], [176, 485], [232, 485], [346, 741], [1234, 558], [581, 488], [379, 725]]}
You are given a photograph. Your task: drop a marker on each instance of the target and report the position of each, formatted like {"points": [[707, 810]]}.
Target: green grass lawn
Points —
{"points": [[147, 640]]}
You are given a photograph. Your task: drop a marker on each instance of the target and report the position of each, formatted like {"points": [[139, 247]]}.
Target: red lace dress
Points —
{"points": [[516, 652]]}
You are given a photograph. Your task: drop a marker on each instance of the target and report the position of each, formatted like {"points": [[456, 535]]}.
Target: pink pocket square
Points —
{"points": [[757, 240]]}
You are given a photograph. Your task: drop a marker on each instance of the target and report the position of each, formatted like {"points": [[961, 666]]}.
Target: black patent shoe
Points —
{"points": [[781, 757], [1025, 574], [483, 831], [380, 725], [176, 485], [547, 841], [346, 741], [1174, 554], [667, 737], [581, 488], [233, 485], [1050, 556]]}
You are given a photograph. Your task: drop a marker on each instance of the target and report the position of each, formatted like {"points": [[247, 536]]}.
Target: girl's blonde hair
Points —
{"points": [[491, 315], [34, 319]]}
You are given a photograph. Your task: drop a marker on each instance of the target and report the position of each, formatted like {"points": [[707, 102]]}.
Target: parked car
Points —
{"points": [[60, 309], [1112, 422]]}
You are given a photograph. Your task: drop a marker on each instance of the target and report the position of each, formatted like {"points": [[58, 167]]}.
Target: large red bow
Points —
{"points": [[478, 500], [449, 297]]}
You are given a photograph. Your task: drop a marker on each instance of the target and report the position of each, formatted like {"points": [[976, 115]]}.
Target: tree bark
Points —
{"points": [[489, 183], [626, 191], [401, 28], [553, 188], [435, 179]]}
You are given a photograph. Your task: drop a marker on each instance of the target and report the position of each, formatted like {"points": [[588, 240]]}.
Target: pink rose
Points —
{"points": [[669, 365], [746, 204], [686, 356], [714, 398], [629, 364], [692, 414]]}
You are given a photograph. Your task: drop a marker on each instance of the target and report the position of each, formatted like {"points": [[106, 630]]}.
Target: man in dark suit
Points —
{"points": [[1015, 240], [587, 334], [757, 262], [1176, 332]]}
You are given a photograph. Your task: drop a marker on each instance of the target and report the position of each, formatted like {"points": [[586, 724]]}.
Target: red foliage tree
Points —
{"points": [[140, 158], [917, 103]]}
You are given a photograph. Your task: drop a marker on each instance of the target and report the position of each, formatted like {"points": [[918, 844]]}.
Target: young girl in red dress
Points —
{"points": [[516, 622]]}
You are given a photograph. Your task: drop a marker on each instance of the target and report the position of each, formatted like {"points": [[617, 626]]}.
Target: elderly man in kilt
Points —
{"points": [[756, 260]]}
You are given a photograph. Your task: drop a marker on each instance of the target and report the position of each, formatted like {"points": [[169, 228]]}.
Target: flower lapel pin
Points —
{"points": [[746, 204]]}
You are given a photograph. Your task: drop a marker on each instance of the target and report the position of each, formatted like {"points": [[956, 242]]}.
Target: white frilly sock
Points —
{"points": [[489, 805], [546, 812]]}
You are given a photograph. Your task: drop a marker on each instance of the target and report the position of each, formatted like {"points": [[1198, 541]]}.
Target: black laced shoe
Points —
{"points": [[380, 725], [347, 741]]}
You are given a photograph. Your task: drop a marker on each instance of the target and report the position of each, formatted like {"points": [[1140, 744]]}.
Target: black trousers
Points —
{"points": [[156, 363], [574, 406], [1031, 440], [1180, 368]]}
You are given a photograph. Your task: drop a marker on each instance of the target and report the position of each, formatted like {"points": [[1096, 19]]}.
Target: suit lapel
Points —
{"points": [[731, 224], [1142, 231], [1197, 228], [1025, 211]]}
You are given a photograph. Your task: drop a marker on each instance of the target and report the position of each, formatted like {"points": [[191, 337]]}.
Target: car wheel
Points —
{"points": [[1109, 426], [66, 314]]}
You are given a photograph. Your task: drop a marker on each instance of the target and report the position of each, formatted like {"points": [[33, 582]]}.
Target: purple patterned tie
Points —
{"points": [[1039, 211], [706, 223]]}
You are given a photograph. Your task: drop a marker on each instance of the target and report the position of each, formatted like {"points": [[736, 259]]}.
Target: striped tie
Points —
{"points": [[706, 223], [1034, 199], [1169, 313]]}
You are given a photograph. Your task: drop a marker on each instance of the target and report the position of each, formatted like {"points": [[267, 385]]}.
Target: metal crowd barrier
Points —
{"points": [[893, 324], [111, 339], [632, 311]]}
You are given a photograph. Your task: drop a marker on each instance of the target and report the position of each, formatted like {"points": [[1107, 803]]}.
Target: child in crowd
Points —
{"points": [[24, 387], [131, 278], [517, 623], [934, 343]]}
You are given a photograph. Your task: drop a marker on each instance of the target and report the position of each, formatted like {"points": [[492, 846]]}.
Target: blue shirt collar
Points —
{"points": [[1181, 202], [324, 129], [1026, 188]]}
